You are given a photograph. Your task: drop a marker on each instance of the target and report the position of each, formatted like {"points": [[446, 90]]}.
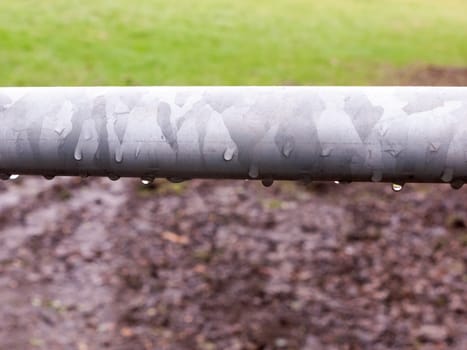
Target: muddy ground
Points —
{"points": [[431, 75], [94, 264]]}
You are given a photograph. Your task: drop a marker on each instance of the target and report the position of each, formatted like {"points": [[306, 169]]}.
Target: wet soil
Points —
{"points": [[432, 75]]}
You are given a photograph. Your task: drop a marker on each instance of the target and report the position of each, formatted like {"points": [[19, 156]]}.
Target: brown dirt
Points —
{"points": [[433, 75], [230, 265]]}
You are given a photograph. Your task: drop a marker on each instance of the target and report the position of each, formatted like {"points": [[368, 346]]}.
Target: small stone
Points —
{"points": [[313, 343], [82, 346], [126, 332], [281, 342], [175, 238], [106, 327], [434, 333]]}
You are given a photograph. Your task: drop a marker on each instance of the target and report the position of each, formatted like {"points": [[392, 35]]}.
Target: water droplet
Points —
{"points": [[337, 182], [253, 172], [14, 177], [287, 149], [176, 180], [114, 177], [434, 146], [138, 150], [49, 177], [147, 180], [87, 134], [394, 151], [119, 155], [121, 108], [447, 175], [267, 182], [397, 187], [229, 153], [59, 130], [377, 176], [457, 184], [326, 151], [383, 130], [78, 154]]}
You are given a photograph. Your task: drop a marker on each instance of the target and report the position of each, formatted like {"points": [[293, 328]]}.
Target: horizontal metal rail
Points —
{"points": [[388, 134]]}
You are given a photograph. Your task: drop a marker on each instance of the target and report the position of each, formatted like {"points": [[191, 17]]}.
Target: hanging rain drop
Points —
{"points": [[397, 187], [176, 180], [114, 177], [457, 184], [147, 180], [267, 182]]}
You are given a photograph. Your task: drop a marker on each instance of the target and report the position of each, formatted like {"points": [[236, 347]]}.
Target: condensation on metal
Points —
{"points": [[389, 134]]}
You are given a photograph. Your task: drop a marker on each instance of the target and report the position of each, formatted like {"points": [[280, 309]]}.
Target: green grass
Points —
{"points": [[152, 42]]}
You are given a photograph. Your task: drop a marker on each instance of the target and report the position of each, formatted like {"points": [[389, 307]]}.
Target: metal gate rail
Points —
{"points": [[388, 134]]}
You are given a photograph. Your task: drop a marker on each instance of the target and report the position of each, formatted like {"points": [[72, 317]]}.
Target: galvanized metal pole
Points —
{"points": [[390, 134]]}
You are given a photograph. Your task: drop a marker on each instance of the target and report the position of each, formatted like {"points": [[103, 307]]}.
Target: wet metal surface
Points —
{"points": [[390, 134]]}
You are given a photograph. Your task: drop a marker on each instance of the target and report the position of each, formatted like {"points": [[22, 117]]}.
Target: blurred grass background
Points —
{"points": [[208, 42]]}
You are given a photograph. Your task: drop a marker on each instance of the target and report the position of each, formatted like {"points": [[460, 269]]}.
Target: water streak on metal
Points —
{"points": [[389, 134]]}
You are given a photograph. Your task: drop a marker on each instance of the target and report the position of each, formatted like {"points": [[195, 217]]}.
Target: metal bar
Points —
{"points": [[389, 134]]}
